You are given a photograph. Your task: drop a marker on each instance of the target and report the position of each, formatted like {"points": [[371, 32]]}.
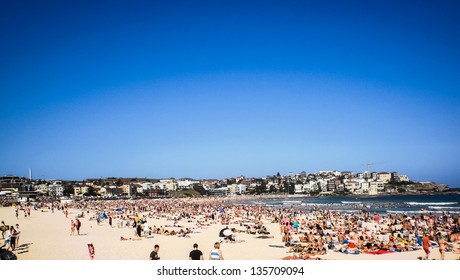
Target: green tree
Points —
{"points": [[262, 188], [68, 190], [91, 192]]}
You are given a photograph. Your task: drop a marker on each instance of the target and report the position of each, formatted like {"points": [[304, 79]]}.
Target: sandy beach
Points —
{"points": [[46, 236]]}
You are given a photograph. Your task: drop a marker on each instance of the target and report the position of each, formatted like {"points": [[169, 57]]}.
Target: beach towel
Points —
{"points": [[380, 252]]}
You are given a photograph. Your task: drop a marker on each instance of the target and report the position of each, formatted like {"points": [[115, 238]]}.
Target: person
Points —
{"points": [[72, 227], [196, 254], [216, 253], [3, 229], [18, 232], [10, 239], [77, 225], [426, 244], [442, 247], [146, 229], [138, 230], [91, 250], [154, 253]]}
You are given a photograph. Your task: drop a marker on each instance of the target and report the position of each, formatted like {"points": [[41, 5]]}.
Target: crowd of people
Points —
{"points": [[306, 233], [315, 233]]}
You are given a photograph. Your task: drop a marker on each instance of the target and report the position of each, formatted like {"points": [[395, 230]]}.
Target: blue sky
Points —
{"points": [[218, 89]]}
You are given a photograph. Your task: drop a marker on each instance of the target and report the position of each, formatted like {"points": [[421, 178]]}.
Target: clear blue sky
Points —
{"points": [[218, 89]]}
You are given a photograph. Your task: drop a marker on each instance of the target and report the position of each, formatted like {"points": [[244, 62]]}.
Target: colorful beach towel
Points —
{"points": [[380, 252]]}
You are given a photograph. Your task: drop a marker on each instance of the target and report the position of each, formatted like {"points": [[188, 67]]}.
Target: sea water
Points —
{"points": [[410, 204]]}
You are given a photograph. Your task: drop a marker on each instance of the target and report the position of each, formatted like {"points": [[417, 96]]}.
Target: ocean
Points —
{"points": [[397, 204]]}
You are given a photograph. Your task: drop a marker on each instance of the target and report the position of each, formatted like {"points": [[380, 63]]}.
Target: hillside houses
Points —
{"points": [[320, 183]]}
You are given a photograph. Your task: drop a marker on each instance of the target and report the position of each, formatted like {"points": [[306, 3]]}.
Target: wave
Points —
{"points": [[314, 204], [417, 212], [430, 203], [444, 207], [350, 202], [349, 211], [292, 202]]}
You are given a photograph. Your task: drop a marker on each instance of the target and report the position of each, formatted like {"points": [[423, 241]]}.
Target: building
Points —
{"points": [[385, 177], [56, 189], [403, 178], [12, 183], [236, 189], [376, 187]]}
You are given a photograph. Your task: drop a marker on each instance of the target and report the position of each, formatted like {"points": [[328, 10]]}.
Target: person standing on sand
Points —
{"points": [[426, 244], [77, 225], [196, 254], [154, 253], [442, 247], [16, 235], [216, 253], [10, 239], [72, 227], [3, 229]]}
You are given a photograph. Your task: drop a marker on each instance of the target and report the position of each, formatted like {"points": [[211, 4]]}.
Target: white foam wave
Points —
{"points": [[314, 204], [292, 201], [444, 207], [430, 203], [351, 202], [418, 212]]}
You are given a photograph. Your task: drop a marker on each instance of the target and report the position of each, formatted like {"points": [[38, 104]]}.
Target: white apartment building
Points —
{"points": [[166, 184], [376, 187], [365, 186], [80, 190], [403, 178], [385, 177], [236, 189], [185, 184], [352, 186]]}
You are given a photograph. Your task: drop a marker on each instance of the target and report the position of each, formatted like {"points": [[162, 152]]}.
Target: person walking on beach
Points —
{"points": [[154, 253], [196, 254], [91, 250], [7, 239], [10, 239], [216, 253], [426, 244]]}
